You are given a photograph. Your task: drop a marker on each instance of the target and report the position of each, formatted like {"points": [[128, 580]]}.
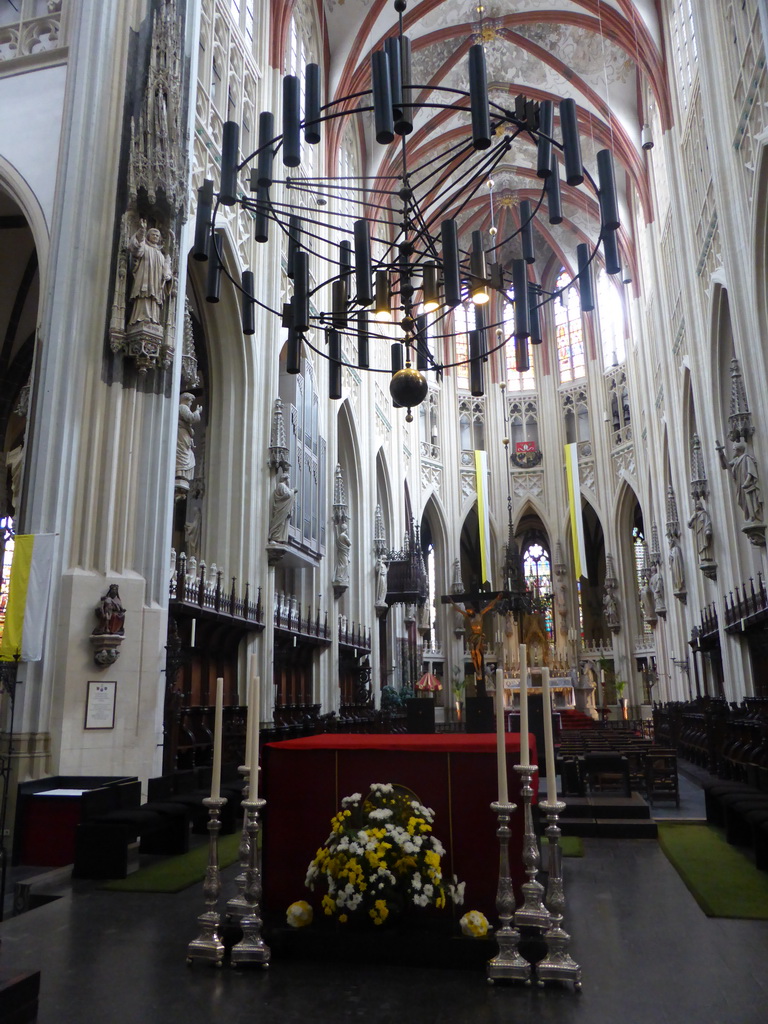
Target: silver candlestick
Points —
{"points": [[557, 965], [532, 913], [237, 906], [208, 944], [508, 964], [251, 949]]}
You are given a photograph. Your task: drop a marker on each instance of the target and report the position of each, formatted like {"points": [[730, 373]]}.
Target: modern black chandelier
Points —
{"points": [[395, 268]]}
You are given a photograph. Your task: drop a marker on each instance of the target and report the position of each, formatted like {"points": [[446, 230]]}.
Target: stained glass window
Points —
{"points": [[537, 570], [568, 332], [6, 557]]}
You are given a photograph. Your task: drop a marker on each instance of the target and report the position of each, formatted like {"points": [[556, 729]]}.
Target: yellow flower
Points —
{"points": [[474, 924], [299, 914], [343, 918]]}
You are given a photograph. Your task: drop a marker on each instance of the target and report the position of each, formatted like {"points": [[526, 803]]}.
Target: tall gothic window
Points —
{"points": [[611, 311], [516, 382], [568, 333], [684, 50], [537, 570], [463, 323]]}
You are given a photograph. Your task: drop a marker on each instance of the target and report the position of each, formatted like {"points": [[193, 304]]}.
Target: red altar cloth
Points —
{"points": [[304, 781]]}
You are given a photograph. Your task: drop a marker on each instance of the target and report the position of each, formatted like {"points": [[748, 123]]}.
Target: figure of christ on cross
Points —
{"points": [[474, 614]]}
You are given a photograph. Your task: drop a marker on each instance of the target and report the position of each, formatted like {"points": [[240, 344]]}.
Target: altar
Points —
{"points": [[455, 774], [561, 690]]}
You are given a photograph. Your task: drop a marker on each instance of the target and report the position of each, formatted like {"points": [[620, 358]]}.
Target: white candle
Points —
{"points": [[601, 688], [549, 742], [501, 745], [524, 754], [192, 633], [217, 730], [254, 716]]}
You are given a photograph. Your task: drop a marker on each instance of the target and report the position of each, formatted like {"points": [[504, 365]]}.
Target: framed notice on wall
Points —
{"points": [[100, 705]]}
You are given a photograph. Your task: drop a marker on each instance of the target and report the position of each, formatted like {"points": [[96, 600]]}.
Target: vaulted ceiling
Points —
{"points": [[604, 54]]}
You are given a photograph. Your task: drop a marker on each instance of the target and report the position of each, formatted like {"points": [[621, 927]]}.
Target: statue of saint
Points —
{"points": [[656, 583], [189, 416], [280, 510], [648, 603], [744, 471], [343, 544], [111, 613], [701, 524], [152, 276], [381, 582], [610, 608], [676, 566]]}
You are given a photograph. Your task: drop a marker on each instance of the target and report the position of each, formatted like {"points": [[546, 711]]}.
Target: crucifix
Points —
{"points": [[476, 606]]}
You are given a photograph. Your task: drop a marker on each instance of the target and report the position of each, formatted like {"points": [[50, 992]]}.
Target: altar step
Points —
{"points": [[607, 816], [572, 720]]}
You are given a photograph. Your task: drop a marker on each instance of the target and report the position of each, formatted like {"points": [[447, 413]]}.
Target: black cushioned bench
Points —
{"points": [[117, 818]]}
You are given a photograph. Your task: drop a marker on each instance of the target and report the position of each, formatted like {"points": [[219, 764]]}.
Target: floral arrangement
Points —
{"points": [[380, 857]]}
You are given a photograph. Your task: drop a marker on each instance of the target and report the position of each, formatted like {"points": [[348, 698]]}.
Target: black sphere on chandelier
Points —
{"points": [[402, 251]]}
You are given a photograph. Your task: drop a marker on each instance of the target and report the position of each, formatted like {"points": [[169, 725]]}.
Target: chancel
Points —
{"points": [[381, 514]]}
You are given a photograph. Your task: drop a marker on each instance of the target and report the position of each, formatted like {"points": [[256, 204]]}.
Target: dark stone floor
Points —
{"points": [[648, 953]]}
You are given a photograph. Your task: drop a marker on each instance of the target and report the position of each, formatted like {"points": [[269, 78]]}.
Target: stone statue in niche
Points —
{"points": [[14, 461], [111, 614], [610, 609], [280, 507], [192, 532], [561, 596], [648, 603], [656, 583], [676, 566], [381, 582], [343, 545], [744, 471], [190, 414], [701, 524], [152, 276]]}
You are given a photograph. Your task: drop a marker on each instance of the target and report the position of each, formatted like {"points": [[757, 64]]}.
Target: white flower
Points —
{"points": [[456, 891], [380, 814], [349, 800]]}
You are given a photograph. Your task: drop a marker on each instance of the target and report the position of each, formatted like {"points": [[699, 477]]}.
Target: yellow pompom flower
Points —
{"points": [[299, 914], [474, 924]]}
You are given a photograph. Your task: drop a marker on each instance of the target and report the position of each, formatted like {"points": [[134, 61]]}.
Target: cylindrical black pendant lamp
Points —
{"points": [[363, 360], [203, 221], [569, 128], [261, 223], [520, 286], [522, 355], [554, 199], [339, 303], [478, 98], [266, 151], [362, 236], [526, 231], [611, 253], [404, 123], [586, 291], [544, 148], [294, 241], [293, 351], [534, 320], [476, 375], [382, 98], [609, 208], [230, 140], [481, 326], [334, 364], [451, 273], [301, 290], [398, 360], [312, 104], [422, 345], [392, 50], [247, 303], [345, 257], [382, 307], [291, 121], [213, 283]]}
